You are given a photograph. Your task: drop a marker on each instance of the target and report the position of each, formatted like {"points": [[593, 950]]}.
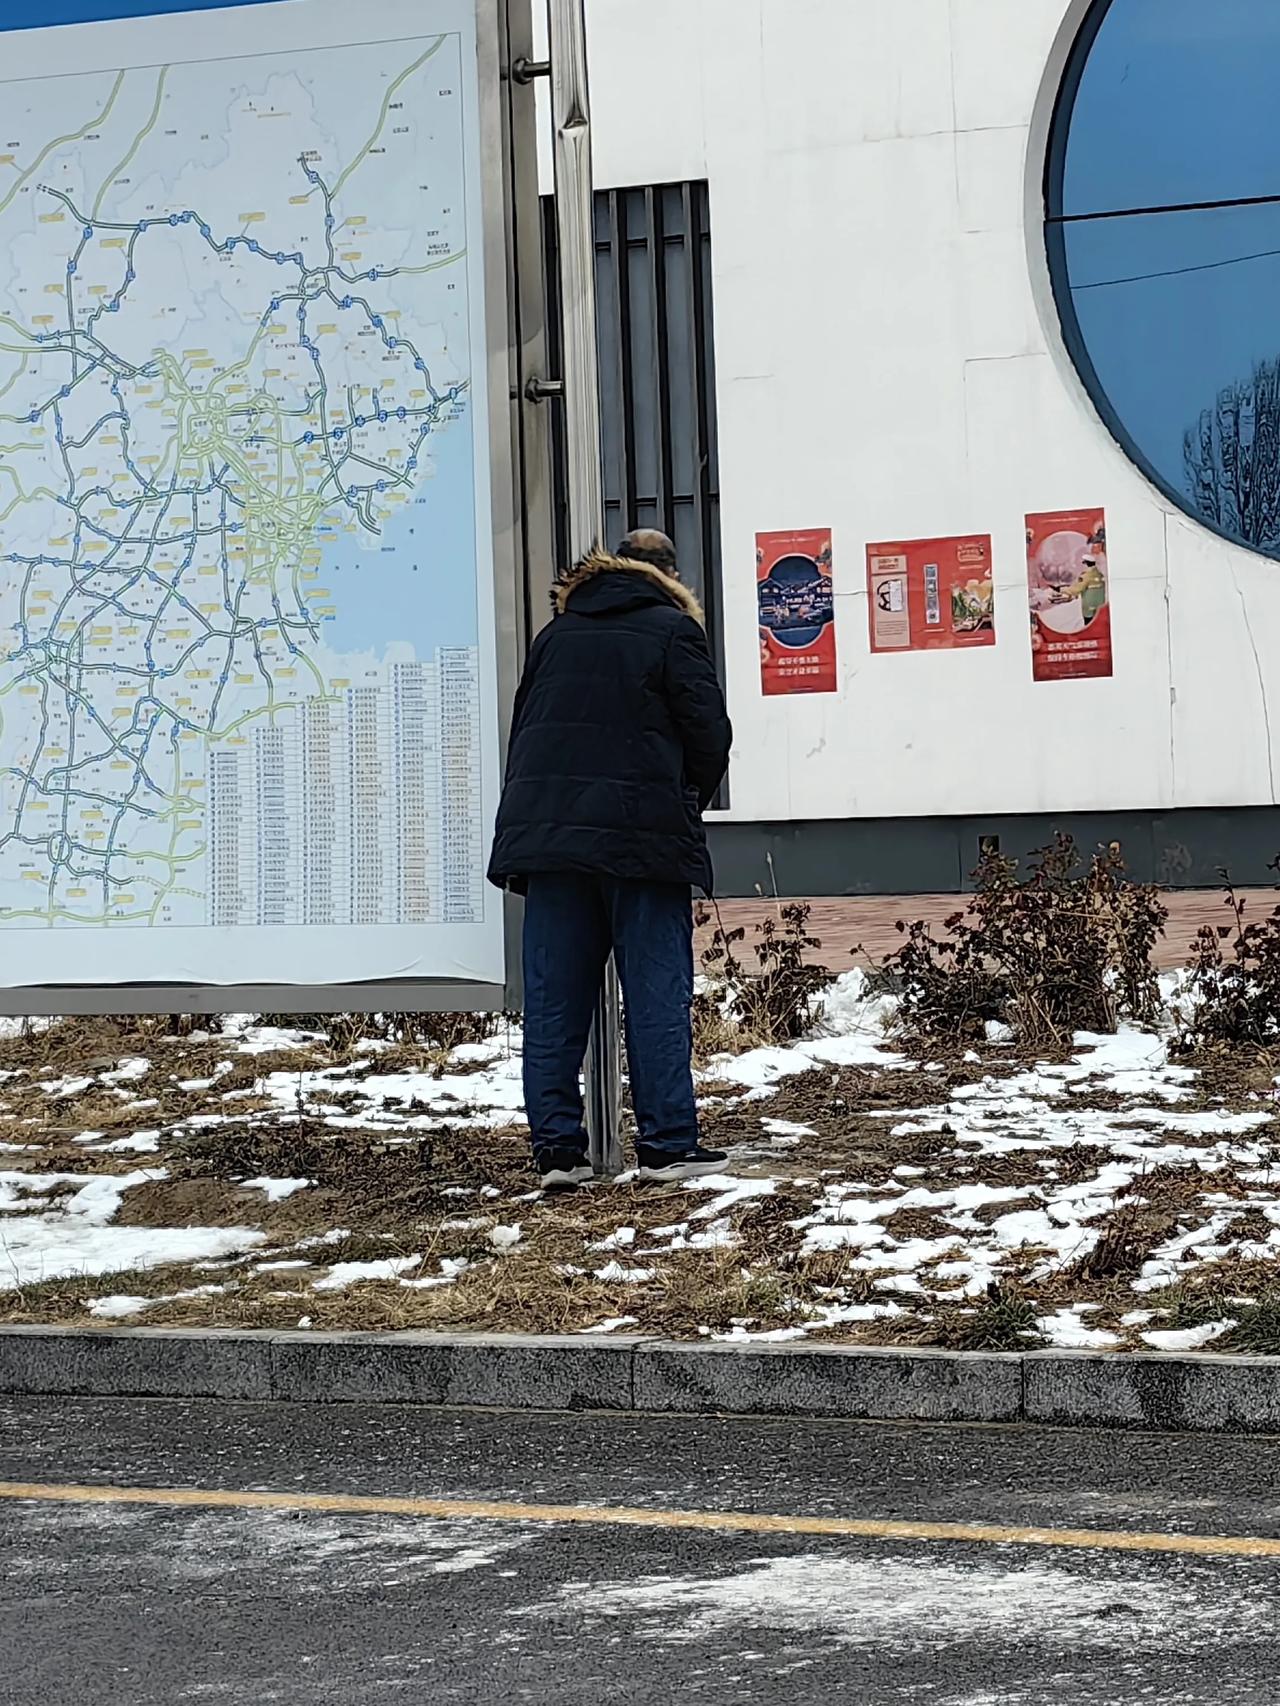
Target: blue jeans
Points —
{"points": [[570, 924]]}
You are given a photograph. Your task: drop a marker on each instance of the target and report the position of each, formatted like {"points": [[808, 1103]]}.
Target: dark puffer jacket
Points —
{"points": [[620, 736]]}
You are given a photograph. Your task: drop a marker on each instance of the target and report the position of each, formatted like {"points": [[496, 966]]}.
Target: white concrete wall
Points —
{"points": [[889, 365]]}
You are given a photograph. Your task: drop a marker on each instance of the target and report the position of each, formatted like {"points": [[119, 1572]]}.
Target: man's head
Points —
{"points": [[647, 545]]}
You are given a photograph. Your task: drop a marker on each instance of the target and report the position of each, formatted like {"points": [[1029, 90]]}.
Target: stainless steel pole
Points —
{"points": [[575, 226]]}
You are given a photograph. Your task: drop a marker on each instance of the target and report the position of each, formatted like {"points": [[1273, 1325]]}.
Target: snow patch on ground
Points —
{"points": [[343, 1274], [614, 1273], [277, 1190], [141, 1143], [1189, 1338], [910, 1604], [73, 1238], [1065, 1330]]}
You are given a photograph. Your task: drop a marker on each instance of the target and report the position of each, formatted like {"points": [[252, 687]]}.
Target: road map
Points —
{"points": [[242, 658]]}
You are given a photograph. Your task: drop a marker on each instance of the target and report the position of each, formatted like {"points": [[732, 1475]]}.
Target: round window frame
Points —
{"points": [[1056, 222]]}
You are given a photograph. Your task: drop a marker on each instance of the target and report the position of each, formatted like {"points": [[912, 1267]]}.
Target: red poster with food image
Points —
{"points": [[1069, 588], [796, 606], [928, 595]]}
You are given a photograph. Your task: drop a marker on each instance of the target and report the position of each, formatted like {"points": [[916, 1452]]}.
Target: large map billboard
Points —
{"points": [[248, 703]]}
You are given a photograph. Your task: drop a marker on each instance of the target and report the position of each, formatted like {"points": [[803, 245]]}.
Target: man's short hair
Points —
{"points": [[647, 545]]}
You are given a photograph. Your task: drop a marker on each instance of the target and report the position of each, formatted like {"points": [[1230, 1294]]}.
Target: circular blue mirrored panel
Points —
{"points": [[1163, 200]]}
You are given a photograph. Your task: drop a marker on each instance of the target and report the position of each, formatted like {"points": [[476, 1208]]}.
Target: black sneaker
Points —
{"points": [[563, 1169], [658, 1165]]}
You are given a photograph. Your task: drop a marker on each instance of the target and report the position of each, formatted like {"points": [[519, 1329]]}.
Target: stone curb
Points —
{"points": [[1160, 1393]]}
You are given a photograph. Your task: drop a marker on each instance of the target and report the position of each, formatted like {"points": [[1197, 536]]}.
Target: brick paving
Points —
{"points": [[868, 922]]}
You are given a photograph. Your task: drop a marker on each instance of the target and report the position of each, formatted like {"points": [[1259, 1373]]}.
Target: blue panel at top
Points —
{"points": [[40, 14], [1177, 103], [1171, 314], [1177, 312]]}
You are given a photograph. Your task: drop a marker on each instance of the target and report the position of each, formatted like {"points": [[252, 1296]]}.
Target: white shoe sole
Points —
{"points": [[678, 1170], [566, 1178]]}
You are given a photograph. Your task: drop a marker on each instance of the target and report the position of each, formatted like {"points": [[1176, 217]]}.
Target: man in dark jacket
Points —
{"points": [[618, 744]]}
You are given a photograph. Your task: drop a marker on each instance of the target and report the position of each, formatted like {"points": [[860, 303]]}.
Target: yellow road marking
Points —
{"points": [[624, 1516]]}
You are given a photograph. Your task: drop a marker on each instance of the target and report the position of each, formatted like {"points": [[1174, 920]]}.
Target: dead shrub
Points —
{"points": [[1066, 948], [772, 1004], [1234, 983]]}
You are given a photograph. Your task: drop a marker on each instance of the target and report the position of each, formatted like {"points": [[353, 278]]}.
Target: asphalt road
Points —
{"points": [[127, 1604]]}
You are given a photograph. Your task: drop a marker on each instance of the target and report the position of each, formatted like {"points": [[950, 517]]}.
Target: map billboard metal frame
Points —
{"points": [[514, 313]]}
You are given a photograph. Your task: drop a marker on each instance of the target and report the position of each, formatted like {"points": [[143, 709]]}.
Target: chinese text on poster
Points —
{"points": [[931, 595]]}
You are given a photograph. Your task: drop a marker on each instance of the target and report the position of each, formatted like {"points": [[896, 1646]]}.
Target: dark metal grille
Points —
{"points": [[657, 377]]}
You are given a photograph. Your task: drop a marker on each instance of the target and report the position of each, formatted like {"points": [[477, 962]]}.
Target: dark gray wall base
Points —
{"points": [[937, 855], [1178, 1394]]}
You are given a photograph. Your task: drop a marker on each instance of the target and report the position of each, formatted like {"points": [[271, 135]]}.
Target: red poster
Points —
{"points": [[797, 612], [1070, 593], [928, 595]]}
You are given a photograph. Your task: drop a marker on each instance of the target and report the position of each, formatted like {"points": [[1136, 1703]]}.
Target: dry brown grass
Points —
{"points": [[393, 1189], [1229, 1074], [910, 1223], [1008, 1170], [716, 1032], [64, 1299]]}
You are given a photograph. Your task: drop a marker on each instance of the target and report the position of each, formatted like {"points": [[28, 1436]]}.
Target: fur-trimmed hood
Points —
{"points": [[603, 563]]}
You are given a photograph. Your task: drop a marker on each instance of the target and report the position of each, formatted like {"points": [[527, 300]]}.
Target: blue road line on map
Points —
{"points": [[41, 654]]}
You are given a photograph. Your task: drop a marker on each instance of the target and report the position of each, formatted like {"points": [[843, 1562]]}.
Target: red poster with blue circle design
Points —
{"points": [[795, 596]]}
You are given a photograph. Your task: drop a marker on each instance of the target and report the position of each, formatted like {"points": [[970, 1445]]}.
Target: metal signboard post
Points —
{"points": [[575, 225], [264, 339]]}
